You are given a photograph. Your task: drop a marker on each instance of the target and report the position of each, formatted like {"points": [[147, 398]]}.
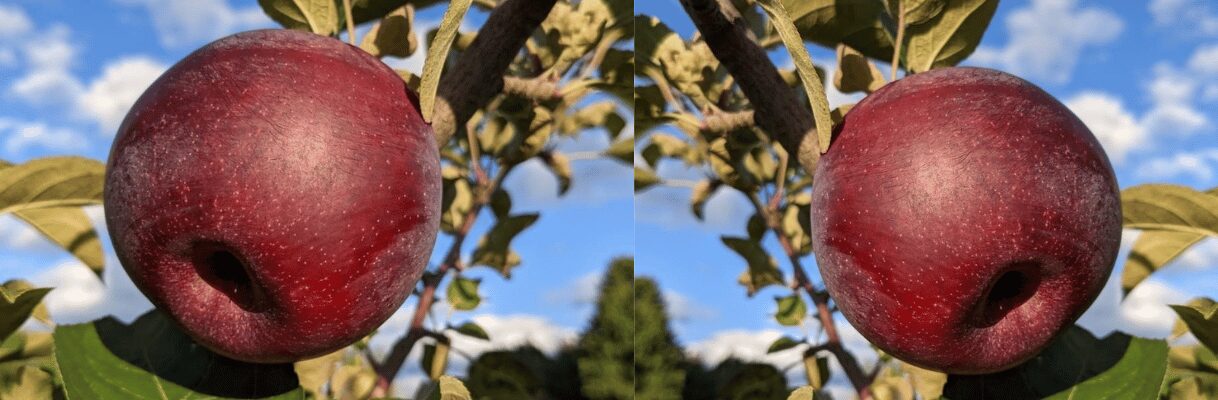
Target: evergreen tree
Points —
{"points": [[658, 362], [606, 349]]}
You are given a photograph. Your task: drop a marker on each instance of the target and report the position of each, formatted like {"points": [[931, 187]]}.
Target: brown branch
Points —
{"points": [[393, 362], [542, 89], [478, 74], [778, 109], [833, 343]]}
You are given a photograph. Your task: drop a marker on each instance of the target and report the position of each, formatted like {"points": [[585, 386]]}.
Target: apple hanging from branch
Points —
{"points": [[962, 218], [277, 193]]}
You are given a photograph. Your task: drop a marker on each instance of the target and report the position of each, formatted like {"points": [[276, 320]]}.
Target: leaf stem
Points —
{"points": [[350, 23], [897, 47]]}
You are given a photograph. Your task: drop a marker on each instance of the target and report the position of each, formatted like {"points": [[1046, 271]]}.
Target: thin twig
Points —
{"points": [[833, 343], [350, 22], [896, 48], [389, 368]]}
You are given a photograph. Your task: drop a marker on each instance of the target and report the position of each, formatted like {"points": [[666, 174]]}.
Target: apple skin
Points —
{"points": [[277, 193], [962, 218]]}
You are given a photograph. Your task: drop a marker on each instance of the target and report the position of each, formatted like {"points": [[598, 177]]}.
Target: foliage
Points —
{"points": [[691, 110], [657, 357], [606, 349], [571, 77]]}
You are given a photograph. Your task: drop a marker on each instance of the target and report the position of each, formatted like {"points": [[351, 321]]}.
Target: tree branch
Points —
{"points": [[778, 110], [389, 368], [478, 74], [833, 343]]}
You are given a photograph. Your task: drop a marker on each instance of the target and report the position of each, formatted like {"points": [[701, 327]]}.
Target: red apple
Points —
{"points": [[276, 192], [962, 218]]}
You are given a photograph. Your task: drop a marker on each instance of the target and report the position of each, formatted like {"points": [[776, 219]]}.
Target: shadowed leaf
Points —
{"points": [[950, 36], [1153, 250], [393, 36], [152, 359], [494, 249], [317, 16], [1202, 320], [1076, 365], [17, 301], [855, 73], [463, 293], [472, 330]]}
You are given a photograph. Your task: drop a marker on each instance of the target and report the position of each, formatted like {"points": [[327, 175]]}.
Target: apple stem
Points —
{"points": [[452, 261], [779, 112], [833, 343], [900, 41], [350, 22]]}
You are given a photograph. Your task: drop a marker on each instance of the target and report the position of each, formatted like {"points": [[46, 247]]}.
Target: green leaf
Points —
{"points": [[472, 330], [1170, 207], [853, 22], [949, 37], [782, 343], [803, 393], [762, 270], [1076, 365], [817, 370], [644, 179], [315, 373], [463, 293], [1180, 327], [153, 359], [803, 64], [1153, 250], [501, 203], [663, 145], [494, 249], [17, 301], [317, 16], [51, 182], [71, 229], [1202, 321], [437, 55], [452, 389], [435, 359], [456, 199], [622, 150], [701, 193], [560, 165], [855, 73], [393, 36], [791, 310], [918, 11], [32, 383]]}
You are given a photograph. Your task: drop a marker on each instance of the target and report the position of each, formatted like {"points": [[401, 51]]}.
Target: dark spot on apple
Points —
{"points": [[1010, 290], [225, 271]]}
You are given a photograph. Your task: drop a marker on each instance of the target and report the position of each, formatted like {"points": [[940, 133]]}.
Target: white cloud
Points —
{"points": [[13, 21], [582, 291], [16, 235], [79, 296], [19, 136], [1201, 256], [1205, 60], [48, 56], [1192, 16], [1115, 127], [110, 96], [682, 308], [185, 22], [1196, 164], [1048, 37]]}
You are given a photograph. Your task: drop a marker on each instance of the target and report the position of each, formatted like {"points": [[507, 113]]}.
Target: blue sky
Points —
{"points": [[69, 70], [1142, 75]]}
